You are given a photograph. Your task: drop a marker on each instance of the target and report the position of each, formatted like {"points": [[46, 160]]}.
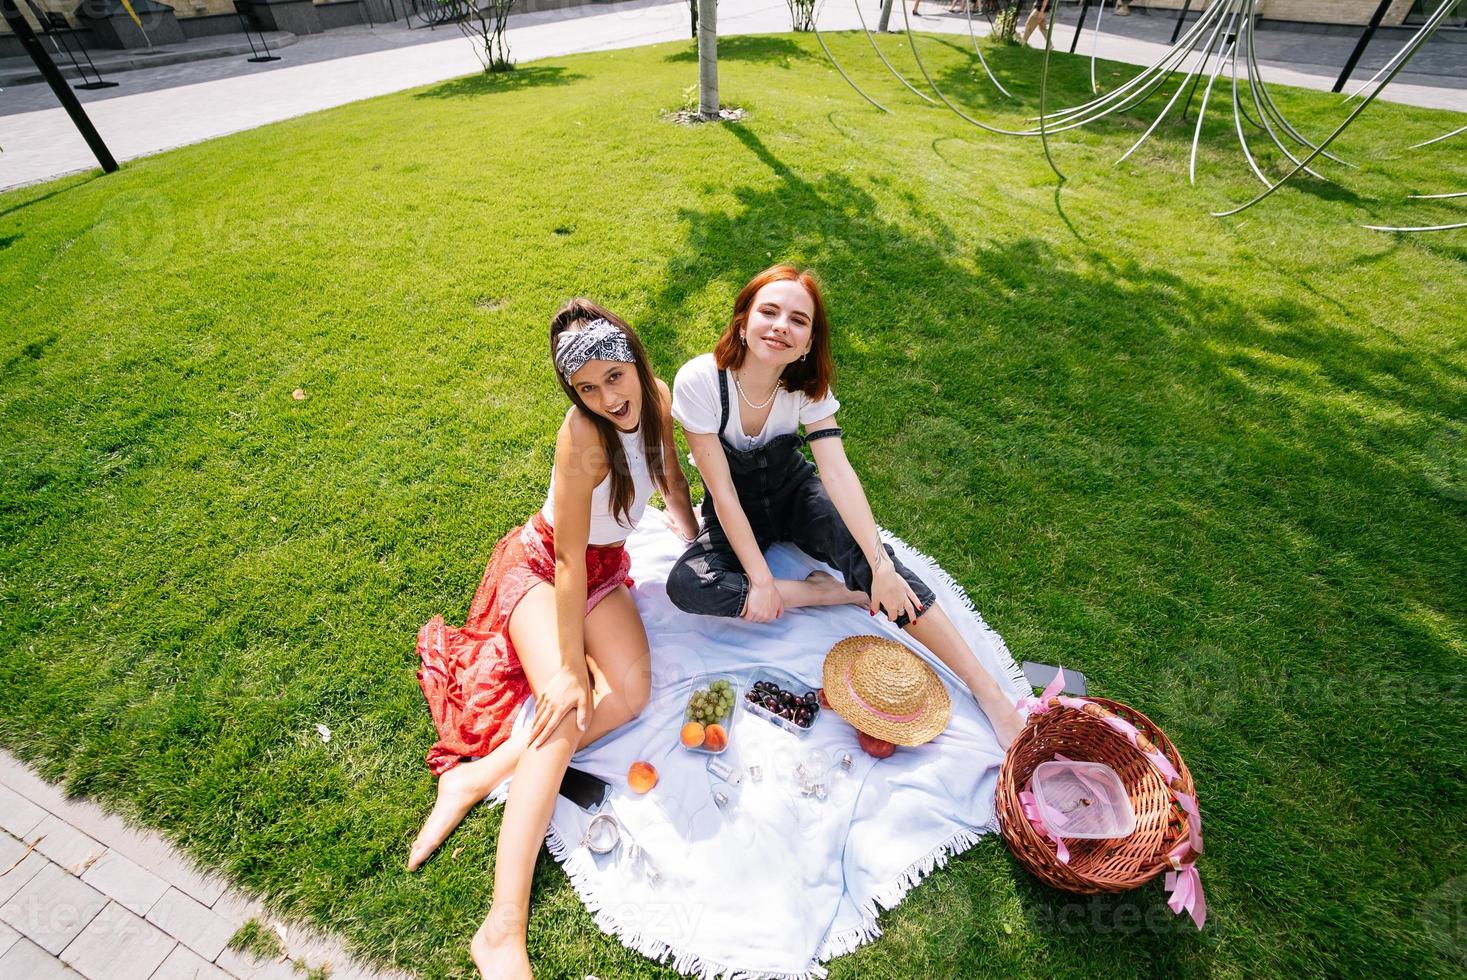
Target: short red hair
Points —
{"points": [[815, 374]]}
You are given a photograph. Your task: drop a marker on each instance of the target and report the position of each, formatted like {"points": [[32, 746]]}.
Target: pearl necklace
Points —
{"points": [[760, 407]]}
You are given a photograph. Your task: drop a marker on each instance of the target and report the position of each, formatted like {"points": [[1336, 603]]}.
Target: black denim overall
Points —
{"points": [[784, 500]]}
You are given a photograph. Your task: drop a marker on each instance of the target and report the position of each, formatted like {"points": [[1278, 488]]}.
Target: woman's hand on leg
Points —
{"points": [[763, 602], [891, 593], [569, 690]]}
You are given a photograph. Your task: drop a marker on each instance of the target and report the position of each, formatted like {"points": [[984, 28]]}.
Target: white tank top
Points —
{"points": [[605, 529]]}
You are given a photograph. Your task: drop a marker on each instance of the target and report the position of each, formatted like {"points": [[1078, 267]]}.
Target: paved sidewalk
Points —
{"points": [[107, 61], [84, 895], [162, 108]]}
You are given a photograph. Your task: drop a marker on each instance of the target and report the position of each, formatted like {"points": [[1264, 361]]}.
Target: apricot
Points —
{"points": [[716, 738], [641, 777], [692, 735]]}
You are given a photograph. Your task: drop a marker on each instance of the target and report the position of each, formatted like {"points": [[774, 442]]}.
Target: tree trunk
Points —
{"points": [[708, 59]]}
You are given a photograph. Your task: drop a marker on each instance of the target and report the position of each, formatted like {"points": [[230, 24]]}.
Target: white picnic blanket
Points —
{"points": [[777, 882]]}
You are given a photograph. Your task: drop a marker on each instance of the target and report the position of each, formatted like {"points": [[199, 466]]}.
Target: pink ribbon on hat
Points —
{"points": [[888, 716], [1184, 882]]}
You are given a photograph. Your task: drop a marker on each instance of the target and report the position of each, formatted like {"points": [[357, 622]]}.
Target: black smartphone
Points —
{"points": [[585, 790], [1040, 675]]}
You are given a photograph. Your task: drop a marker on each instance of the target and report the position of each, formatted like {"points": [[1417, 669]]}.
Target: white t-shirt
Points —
{"points": [[695, 404]]}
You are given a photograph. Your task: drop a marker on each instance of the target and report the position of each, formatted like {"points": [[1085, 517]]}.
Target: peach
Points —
{"points": [[692, 735], [716, 738], [879, 748], [641, 777]]}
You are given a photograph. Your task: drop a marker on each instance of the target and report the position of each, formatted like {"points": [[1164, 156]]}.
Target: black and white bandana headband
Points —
{"points": [[599, 340]]}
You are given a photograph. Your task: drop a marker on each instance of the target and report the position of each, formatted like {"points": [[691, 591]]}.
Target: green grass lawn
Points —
{"points": [[1218, 465]]}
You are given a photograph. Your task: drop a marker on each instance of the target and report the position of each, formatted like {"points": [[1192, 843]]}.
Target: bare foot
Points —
{"points": [[836, 590], [1007, 724], [500, 953], [459, 790]]}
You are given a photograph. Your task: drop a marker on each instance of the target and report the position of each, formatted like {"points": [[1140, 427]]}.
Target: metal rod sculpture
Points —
{"points": [[972, 34], [898, 75], [1411, 48], [1229, 28], [1444, 136]]}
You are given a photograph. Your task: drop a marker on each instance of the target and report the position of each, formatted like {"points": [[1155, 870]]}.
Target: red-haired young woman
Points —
{"points": [[741, 408]]}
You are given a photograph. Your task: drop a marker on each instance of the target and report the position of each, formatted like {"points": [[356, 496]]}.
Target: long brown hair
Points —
{"points": [[577, 314], [815, 374]]}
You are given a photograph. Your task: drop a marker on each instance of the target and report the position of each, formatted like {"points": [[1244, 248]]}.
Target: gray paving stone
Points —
{"points": [[123, 881], [145, 849], [27, 961], [21, 875], [64, 844], [152, 914], [18, 877], [18, 815], [52, 908], [117, 945], [199, 928], [184, 964], [248, 967], [237, 908], [20, 778]]}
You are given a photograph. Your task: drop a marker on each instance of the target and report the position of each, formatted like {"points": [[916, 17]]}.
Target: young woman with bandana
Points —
{"points": [[741, 408], [553, 615]]}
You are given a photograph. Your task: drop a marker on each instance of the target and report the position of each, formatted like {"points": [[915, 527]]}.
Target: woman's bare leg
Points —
{"points": [[464, 786], [617, 643], [817, 589], [938, 634]]}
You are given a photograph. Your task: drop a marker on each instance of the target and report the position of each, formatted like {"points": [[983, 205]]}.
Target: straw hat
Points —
{"points": [[886, 690]]}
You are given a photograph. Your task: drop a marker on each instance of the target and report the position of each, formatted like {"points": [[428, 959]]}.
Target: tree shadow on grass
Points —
{"points": [[749, 47], [489, 83], [1068, 391]]}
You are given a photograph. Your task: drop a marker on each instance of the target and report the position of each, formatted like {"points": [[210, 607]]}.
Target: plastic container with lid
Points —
{"points": [[1083, 800], [724, 718], [753, 702]]}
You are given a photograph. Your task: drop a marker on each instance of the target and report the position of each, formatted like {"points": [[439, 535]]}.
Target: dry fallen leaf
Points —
{"points": [[324, 732], [30, 847], [299, 394], [456, 852]]}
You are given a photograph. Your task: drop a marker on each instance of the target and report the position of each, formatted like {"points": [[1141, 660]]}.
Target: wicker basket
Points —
{"points": [[1095, 866]]}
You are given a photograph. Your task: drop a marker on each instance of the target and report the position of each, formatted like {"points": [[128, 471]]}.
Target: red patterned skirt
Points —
{"points": [[472, 676]]}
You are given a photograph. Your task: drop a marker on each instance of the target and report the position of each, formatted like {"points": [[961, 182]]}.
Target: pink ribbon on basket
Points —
{"points": [[1184, 882], [1040, 705], [1185, 885], [1031, 812]]}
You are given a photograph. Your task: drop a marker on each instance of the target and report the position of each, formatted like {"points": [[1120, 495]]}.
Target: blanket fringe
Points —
{"points": [[577, 864], [891, 895]]}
